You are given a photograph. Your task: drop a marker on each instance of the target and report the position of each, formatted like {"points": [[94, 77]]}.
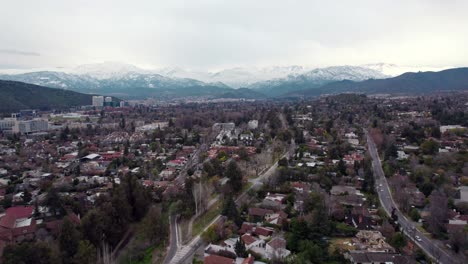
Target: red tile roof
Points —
{"points": [[277, 243], [248, 239], [20, 211], [215, 259], [249, 260], [259, 211]]}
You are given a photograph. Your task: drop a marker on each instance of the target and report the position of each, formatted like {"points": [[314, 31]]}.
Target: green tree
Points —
{"points": [[398, 241], [240, 249], [92, 227], [68, 239], [29, 253], [429, 147], [86, 253], [414, 214], [210, 235], [230, 210], [234, 174], [154, 226]]}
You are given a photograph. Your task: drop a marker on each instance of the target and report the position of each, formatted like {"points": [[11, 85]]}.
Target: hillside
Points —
{"points": [[408, 83], [15, 96]]}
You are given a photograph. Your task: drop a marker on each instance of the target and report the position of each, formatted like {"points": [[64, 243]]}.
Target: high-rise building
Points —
{"points": [[108, 99], [98, 101]]}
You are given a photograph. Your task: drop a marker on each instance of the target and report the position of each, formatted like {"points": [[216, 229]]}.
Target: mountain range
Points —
{"points": [[131, 82]]}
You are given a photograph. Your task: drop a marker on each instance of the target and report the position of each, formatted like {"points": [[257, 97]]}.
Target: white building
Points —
{"points": [[31, 126], [7, 123], [98, 101], [253, 124], [108, 99]]}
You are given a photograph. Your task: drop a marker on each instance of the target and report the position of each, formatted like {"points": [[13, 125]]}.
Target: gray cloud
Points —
{"points": [[211, 34], [19, 52]]}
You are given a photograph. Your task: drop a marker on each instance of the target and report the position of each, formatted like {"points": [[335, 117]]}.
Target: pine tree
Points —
{"points": [[240, 249]]}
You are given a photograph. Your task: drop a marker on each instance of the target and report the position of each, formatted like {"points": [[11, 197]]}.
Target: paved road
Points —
{"points": [[431, 247], [185, 252], [174, 239]]}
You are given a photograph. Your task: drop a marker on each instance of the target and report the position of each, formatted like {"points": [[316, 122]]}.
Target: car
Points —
{"points": [[380, 185], [418, 238]]}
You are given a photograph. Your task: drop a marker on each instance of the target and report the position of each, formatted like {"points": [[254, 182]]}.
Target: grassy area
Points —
{"points": [[203, 220], [246, 187], [147, 258]]}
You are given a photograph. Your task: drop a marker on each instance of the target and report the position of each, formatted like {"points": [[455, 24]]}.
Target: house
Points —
{"points": [[215, 259], [17, 225], [377, 258], [276, 249], [252, 242], [276, 197], [463, 194], [276, 218], [258, 214]]}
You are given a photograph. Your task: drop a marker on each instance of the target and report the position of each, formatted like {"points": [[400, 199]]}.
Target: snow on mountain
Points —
{"points": [[395, 70], [235, 77], [339, 73], [107, 70]]}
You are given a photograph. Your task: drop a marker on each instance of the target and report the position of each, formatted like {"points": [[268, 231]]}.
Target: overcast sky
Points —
{"points": [[220, 34]]}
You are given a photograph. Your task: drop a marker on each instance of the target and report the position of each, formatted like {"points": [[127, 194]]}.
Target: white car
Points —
{"points": [[418, 238]]}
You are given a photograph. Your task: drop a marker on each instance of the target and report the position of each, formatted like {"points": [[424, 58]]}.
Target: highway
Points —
{"points": [[431, 247]]}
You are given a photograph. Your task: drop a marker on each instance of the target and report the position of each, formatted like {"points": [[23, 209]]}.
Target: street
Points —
{"points": [[179, 254], [431, 247]]}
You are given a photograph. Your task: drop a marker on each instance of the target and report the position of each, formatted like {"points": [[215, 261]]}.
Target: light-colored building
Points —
{"points": [[7, 123], [108, 99], [98, 101], [253, 124], [31, 126]]}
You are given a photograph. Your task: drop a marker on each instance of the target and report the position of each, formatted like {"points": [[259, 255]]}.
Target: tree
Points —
{"points": [[92, 227], [438, 208], [154, 226], [342, 167], [234, 174], [86, 253], [210, 235], [68, 239], [398, 241], [29, 253], [429, 147], [240, 249], [414, 214], [230, 210]]}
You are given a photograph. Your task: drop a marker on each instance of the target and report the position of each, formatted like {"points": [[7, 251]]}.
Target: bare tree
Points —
{"points": [[438, 209]]}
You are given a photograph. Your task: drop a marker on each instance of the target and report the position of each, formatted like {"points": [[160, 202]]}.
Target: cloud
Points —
{"points": [[19, 52], [210, 34]]}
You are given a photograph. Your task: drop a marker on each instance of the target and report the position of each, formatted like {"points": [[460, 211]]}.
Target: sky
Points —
{"points": [[222, 34]]}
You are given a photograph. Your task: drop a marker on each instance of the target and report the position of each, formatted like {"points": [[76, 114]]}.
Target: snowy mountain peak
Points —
{"points": [[107, 70]]}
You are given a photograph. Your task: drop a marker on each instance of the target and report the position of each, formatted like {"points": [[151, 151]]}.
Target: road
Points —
{"points": [[431, 247], [174, 239], [184, 252]]}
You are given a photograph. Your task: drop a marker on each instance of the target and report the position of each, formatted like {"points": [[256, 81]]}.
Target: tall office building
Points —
{"points": [[98, 101]]}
